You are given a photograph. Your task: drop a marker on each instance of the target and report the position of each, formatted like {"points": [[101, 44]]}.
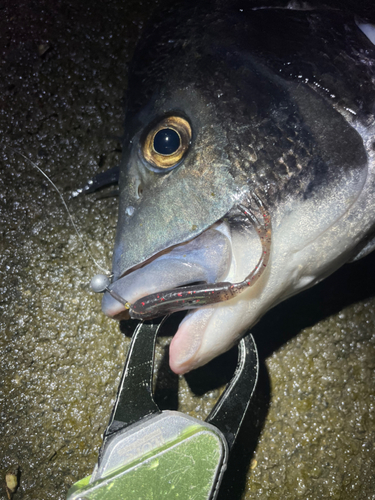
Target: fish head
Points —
{"points": [[244, 118], [172, 228]]}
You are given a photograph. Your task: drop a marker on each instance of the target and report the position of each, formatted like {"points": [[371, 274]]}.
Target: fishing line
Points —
{"points": [[84, 244]]}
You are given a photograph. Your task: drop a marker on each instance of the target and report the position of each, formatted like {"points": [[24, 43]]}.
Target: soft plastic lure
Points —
{"points": [[192, 297]]}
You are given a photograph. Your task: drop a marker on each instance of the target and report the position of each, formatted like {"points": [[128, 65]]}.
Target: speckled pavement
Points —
{"points": [[63, 76]]}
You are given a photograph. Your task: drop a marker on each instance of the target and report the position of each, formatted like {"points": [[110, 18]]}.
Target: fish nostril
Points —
{"points": [[139, 190]]}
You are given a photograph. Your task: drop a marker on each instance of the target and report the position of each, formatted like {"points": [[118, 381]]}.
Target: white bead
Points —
{"points": [[99, 282]]}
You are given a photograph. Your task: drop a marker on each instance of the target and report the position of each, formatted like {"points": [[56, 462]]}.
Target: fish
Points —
{"points": [[248, 165]]}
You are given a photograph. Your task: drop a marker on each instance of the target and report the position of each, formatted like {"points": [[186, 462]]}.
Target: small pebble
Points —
{"points": [[11, 481]]}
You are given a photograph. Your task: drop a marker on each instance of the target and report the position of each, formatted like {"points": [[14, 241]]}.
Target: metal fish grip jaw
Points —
{"points": [[152, 454]]}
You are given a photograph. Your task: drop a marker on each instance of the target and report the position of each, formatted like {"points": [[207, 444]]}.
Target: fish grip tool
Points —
{"points": [[150, 454]]}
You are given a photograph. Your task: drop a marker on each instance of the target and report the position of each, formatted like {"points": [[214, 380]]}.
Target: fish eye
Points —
{"points": [[166, 143]]}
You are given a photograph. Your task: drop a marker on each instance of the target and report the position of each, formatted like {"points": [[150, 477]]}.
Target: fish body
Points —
{"points": [[268, 103]]}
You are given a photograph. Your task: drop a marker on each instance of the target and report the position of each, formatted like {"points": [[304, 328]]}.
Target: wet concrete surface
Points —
{"points": [[63, 76]]}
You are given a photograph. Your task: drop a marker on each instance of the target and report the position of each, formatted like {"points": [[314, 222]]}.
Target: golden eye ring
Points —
{"points": [[167, 142]]}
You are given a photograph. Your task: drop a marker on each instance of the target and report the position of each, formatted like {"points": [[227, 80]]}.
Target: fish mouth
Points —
{"points": [[206, 258], [228, 250]]}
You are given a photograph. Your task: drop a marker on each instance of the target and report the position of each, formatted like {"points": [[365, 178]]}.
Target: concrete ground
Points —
{"points": [[63, 76]]}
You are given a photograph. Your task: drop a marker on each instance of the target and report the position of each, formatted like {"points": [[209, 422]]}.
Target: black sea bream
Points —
{"points": [[235, 116]]}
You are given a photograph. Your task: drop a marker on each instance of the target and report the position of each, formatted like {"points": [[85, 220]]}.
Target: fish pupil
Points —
{"points": [[166, 141]]}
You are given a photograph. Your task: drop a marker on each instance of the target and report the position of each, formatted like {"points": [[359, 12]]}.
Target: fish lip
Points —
{"points": [[154, 257], [165, 251], [209, 267], [230, 217]]}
